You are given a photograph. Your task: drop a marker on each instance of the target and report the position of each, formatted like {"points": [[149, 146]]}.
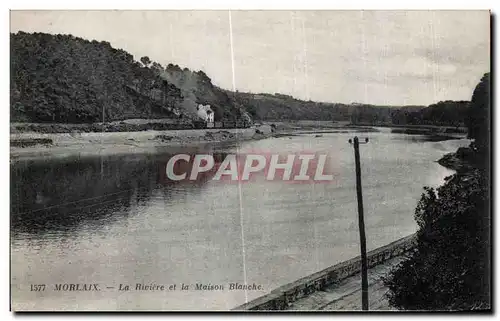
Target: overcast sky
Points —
{"points": [[378, 57]]}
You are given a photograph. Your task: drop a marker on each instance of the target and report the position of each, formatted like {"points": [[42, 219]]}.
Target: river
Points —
{"points": [[115, 220]]}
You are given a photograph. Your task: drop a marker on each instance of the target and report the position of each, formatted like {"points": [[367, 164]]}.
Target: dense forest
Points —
{"points": [[444, 113], [66, 79], [279, 106], [61, 78]]}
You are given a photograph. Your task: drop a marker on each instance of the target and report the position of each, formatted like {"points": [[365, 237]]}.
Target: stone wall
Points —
{"points": [[282, 297]]}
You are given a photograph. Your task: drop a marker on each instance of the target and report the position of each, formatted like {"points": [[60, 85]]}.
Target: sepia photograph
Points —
{"points": [[250, 160]]}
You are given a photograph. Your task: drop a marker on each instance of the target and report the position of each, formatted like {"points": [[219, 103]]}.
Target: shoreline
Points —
{"points": [[64, 145], [36, 145], [460, 161], [31, 145]]}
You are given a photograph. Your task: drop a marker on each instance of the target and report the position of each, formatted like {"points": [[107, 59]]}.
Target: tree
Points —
{"points": [[145, 61], [479, 114], [158, 68], [450, 266]]}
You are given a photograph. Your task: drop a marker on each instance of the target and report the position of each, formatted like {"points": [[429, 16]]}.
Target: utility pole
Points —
{"points": [[361, 220]]}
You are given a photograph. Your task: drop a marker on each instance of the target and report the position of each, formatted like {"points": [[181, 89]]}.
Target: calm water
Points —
{"points": [[114, 220]]}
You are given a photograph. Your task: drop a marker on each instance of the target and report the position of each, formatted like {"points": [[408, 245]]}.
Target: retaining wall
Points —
{"points": [[282, 297]]}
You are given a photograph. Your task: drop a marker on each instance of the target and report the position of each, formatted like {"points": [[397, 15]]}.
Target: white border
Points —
{"points": [[254, 4]]}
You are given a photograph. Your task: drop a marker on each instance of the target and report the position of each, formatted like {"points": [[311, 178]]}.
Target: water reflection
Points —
{"points": [[61, 195]]}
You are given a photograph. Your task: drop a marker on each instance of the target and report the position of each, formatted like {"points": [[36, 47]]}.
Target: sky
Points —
{"points": [[376, 57]]}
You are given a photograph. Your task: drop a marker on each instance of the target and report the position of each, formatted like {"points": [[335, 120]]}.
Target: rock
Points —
{"points": [[30, 142], [461, 160], [163, 138]]}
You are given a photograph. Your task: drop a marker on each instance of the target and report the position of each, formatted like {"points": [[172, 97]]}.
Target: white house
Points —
{"points": [[206, 113]]}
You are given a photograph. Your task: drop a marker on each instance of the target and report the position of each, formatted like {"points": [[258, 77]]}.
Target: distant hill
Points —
{"points": [[62, 78], [443, 113], [279, 107], [66, 79]]}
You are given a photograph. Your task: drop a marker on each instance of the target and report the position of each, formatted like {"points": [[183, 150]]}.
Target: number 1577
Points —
{"points": [[37, 287]]}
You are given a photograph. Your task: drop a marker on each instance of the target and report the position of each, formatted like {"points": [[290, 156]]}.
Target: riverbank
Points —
{"points": [[129, 125], [460, 161], [30, 141], [454, 242], [420, 129], [62, 140], [52, 145]]}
